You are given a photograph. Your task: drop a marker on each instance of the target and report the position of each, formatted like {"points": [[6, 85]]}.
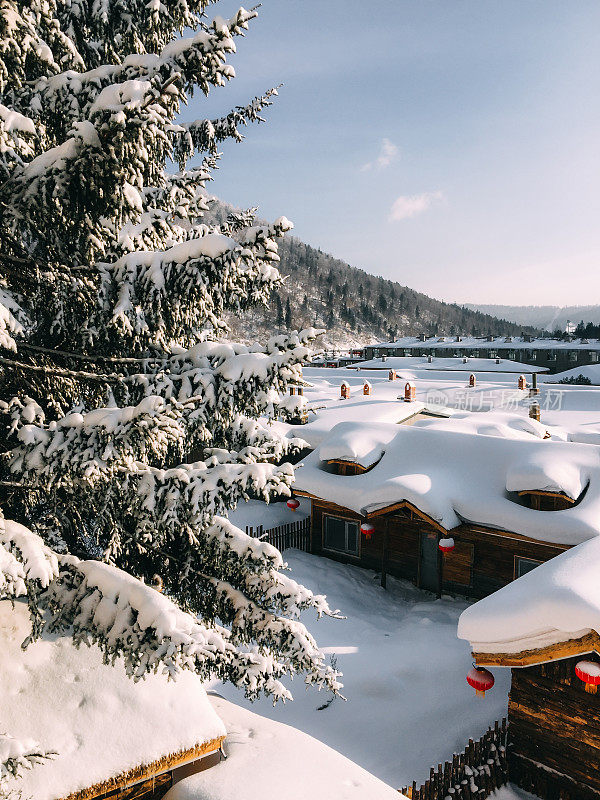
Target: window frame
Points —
{"points": [[519, 559], [346, 521]]}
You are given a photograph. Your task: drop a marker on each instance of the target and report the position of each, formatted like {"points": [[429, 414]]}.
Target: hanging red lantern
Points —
{"points": [[480, 679], [367, 529], [293, 504], [589, 673], [446, 545]]}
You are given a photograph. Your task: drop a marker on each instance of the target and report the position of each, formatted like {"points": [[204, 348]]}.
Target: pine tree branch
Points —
{"points": [[93, 358], [63, 373], [18, 261]]}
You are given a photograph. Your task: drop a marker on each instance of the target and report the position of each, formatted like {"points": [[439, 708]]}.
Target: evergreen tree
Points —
{"points": [[288, 314], [279, 308], [127, 429]]}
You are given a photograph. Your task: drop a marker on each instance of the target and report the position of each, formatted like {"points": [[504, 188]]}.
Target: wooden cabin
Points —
{"points": [[418, 486], [405, 543], [545, 628], [112, 737]]}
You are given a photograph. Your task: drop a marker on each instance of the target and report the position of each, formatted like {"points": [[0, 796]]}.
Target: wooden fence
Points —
{"points": [[471, 775], [293, 534]]}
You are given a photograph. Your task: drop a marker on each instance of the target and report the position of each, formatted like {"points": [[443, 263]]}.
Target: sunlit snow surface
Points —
{"points": [[408, 705]]}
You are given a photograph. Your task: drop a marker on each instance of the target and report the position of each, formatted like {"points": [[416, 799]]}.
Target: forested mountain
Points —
{"points": [[356, 308]]}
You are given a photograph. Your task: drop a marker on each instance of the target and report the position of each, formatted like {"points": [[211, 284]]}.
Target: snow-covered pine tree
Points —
{"points": [[127, 429]]}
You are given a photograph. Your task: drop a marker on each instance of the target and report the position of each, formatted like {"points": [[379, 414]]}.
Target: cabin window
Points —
{"points": [[493, 354], [475, 353], [593, 355], [572, 355], [341, 535], [525, 565], [512, 355], [551, 355]]}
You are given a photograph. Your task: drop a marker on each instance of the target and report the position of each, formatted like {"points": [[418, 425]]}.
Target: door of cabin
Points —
{"points": [[428, 562]]}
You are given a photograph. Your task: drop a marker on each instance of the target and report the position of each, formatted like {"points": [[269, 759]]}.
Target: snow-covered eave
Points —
{"points": [[377, 510], [145, 772], [543, 648]]}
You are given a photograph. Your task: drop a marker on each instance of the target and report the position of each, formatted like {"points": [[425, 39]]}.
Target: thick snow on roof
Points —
{"points": [[452, 364], [590, 371], [268, 760], [98, 721], [497, 343], [556, 601], [458, 477], [360, 444], [506, 424]]}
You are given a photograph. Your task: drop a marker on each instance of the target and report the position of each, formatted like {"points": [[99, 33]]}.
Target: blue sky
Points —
{"points": [[452, 145]]}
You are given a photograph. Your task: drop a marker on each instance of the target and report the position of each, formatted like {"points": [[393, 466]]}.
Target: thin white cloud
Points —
{"points": [[388, 152], [407, 206]]}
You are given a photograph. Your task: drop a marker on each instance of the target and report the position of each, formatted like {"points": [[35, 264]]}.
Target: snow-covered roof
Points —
{"points": [[555, 602], [589, 371], [100, 723], [400, 363], [496, 343], [359, 444], [269, 759], [456, 477]]}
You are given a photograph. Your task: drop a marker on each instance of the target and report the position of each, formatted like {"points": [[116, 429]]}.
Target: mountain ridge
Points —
{"points": [[355, 307]]}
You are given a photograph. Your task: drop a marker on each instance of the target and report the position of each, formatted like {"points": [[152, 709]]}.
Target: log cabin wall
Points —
{"points": [[482, 561], [554, 732]]}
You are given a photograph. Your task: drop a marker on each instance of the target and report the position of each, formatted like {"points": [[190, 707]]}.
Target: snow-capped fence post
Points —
{"points": [[471, 775]]}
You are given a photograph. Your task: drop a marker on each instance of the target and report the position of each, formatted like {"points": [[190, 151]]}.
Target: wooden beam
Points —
{"points": [[557, 495], [589, 643], [147, 771]]}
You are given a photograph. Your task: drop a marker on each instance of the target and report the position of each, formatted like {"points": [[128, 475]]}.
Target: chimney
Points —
{"points": [[410, 392], [534, 387], [422, 337], [534, 410], [472, 381]]}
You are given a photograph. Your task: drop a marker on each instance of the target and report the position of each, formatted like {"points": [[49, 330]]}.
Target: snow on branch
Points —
{"points": [[204, 135], [213, 273], [17, 755], [24, 560]]}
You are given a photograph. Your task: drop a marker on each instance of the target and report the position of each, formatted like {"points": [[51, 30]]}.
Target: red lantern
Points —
{"points": [[589, 673], [367, 529], [446, 545], [293, 504], [481, 680]]}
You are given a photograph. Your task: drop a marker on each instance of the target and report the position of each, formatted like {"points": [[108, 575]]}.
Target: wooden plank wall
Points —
{"points": [[482, 562], [554, 732]]}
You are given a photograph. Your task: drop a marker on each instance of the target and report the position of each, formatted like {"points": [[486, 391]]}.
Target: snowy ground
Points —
{"points": [[408, 705], [283, 763]]}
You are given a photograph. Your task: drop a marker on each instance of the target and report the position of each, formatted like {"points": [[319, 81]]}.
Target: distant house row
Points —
{"points": [[555, 354]]}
